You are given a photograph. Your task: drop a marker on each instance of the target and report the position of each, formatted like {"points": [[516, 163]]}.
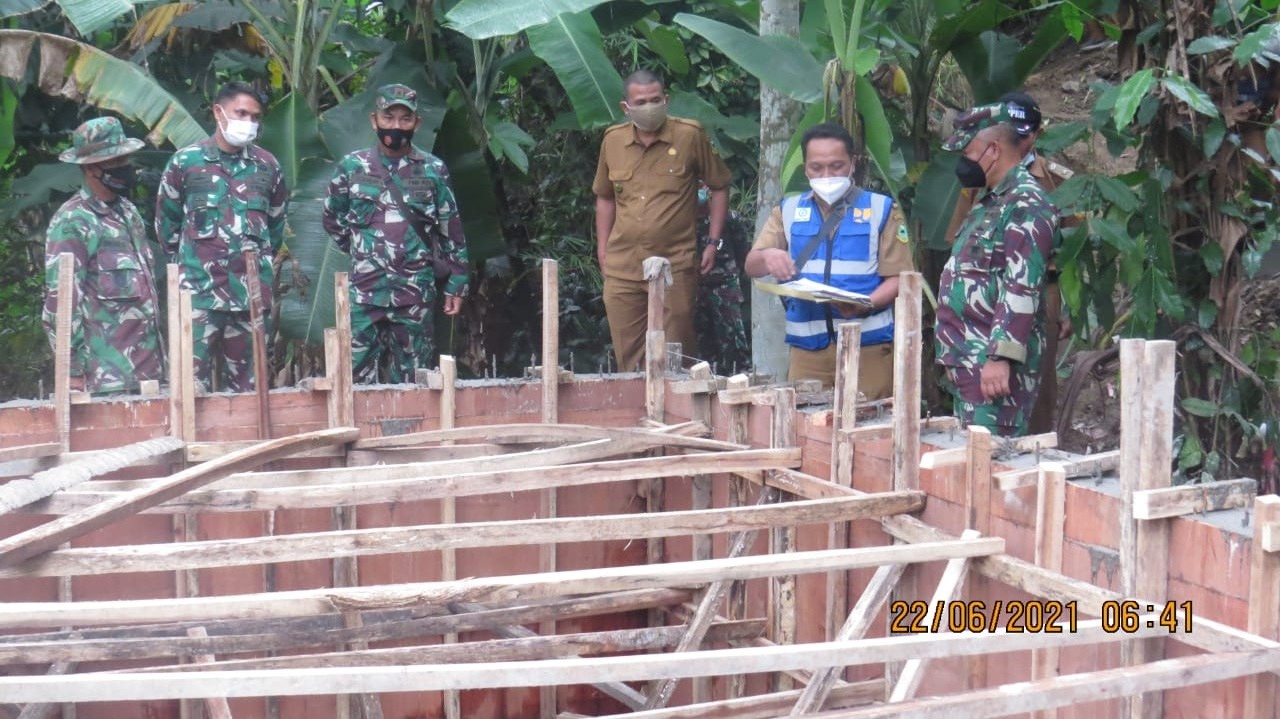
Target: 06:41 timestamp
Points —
{"points": [[1129, 615]]}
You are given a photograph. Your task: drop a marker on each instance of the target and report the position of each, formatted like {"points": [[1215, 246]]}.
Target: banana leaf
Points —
{"points": [[10, 8], [778, 61], [571, 45], [291, 133], [479, 19], [83, 73], [8, 106], [306, 277]]}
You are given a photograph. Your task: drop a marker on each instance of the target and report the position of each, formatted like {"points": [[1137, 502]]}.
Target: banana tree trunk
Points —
{"points": [[778, 119]]}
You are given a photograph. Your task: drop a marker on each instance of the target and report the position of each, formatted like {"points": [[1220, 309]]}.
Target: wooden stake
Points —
{"points": [[176, 367], [907, 340], [655, 369], [217, 706], [549, 502], [186, 355], [782, 540], [338, 358], [978, 509], [844, 417], [738, 433], [258, 329], [449, 508], [1050, 523], [1264, 608], [62, 348], [1145, 557]]}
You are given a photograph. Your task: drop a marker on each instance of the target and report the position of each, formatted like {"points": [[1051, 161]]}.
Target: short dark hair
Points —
{"points": [[235, 88], [825, 131], [641, 77]]}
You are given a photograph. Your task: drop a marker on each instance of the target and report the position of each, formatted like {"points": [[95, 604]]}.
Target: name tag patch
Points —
{"points": [[804, 214]]}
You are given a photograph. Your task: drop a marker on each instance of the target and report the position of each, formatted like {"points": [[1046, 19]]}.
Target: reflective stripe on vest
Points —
{"points": [[854, 267]]}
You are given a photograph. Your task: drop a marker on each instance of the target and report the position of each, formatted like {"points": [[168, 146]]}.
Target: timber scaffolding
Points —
{"points": [[210, 570]]}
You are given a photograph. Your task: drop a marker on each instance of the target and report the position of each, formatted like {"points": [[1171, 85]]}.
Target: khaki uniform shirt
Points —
{"points": [[895, 252], [655, 189]]}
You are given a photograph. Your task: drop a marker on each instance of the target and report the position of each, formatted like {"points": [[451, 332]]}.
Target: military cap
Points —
{"points": [[99, 140], [1024, 112], [969, 124], [397, 94]]}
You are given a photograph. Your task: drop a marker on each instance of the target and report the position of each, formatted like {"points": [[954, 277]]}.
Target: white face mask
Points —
{"points": [[830, 189], [239, 133]]}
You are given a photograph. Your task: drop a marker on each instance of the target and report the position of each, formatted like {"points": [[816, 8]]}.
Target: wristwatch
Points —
{"points": [[717, 241]]}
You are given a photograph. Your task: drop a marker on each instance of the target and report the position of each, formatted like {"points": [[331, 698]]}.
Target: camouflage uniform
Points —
{"points": [[212, 206], [393, 284], [718, 322], [115, 331], [990, 298]]}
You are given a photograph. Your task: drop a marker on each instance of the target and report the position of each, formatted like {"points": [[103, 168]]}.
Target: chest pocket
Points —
{"points": [[671, 173], [255, 219], [204, 215], [365, 199], [620, 178], [119, 275], [853, 241]]}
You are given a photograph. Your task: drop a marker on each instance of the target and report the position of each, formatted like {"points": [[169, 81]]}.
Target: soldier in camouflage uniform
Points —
{"points": [[393, 277], [990, 319], [217, 198], [115, 331], [719, 323]]}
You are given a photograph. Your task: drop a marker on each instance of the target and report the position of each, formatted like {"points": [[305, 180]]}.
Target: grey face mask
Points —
{"points": [[648, 117]]}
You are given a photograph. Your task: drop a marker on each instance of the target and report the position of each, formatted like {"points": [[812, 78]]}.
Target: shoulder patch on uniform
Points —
{"points": [[614, 128], [903, 236]]}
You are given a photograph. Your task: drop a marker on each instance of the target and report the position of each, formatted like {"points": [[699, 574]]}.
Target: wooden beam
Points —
{"points": [[44, 710], [548, 501], [1050, 536], [979, 451], [782, 540], [1193, 498], [46, 537], [873, 432], [173, 293], [295, 633], [449, 507], [907, 342], [533, 433], [1075, 689], [821, 688], [22, 492], [1089, 465], [738, 431], [434, 487], [844, 418], [949, 587], [1264, 609], [65, 308], [479, 589], [258, 336], [148, 686], [217, 707], [205, 451], [30, 451], [186, 356], [940, 458]]}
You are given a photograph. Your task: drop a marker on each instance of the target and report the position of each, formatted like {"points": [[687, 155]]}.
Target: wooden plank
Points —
{"points": [[1090, 465], [22, 492], [765, 706], [481, 589], [873, 432], [258, 335], [338, 367], [65, 308], [1147, 572], [434, 487], [949, 587], [700, 499], [30, 451], [532, 433], [738, 432], [655, 407], [205, 451], [186, 356], [822, 687], [695, 629], [907, 339], [548, 501], [449, 505], [1264, 610], [149, 686], [979, 449], [844, 418], [217, 707], [46, 537], [373, 457], [1050, 535], [782, 540], [173, 294], [1194, 498], [278, 634], [1076, 688]]}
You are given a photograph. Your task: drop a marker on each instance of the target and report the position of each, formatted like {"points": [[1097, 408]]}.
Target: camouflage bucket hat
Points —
{"points": [[99, 140], [970, 123], [389, 95]]}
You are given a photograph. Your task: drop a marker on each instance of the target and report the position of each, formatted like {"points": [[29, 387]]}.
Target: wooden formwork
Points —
{"points": [[670, 616]]}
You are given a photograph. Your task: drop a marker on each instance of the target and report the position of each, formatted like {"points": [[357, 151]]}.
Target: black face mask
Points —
{"points": [[395, 138], [119, 180], [970, 173]]}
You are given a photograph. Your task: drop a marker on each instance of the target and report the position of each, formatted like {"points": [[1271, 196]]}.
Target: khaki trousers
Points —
{"points": [[875, 368], [626, 304]]}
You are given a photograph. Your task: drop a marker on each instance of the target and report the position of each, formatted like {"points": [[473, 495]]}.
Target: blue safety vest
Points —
{"points": [[854, 266]]}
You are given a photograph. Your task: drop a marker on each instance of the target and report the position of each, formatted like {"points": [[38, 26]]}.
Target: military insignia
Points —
{"points": [[804, 214], [903, 237], [200, 182], [671, 151], [364, 178]]}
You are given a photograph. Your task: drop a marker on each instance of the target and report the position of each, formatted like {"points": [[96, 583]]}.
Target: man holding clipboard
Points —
{"points": [[839, 235]]}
